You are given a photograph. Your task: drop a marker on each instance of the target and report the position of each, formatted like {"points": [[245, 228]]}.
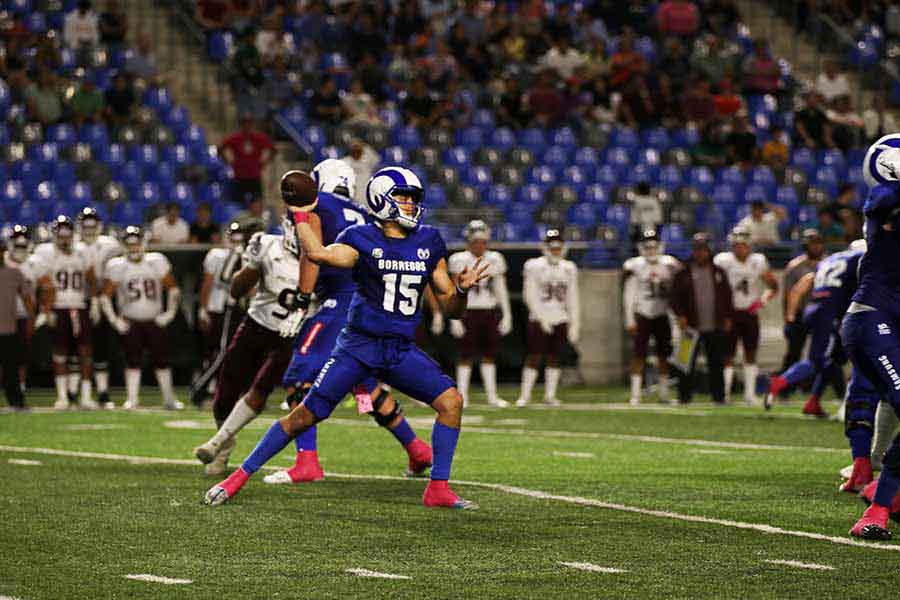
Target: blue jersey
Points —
{"points": [[336, 214], [835, 282], [879, 269], [391, 275]]}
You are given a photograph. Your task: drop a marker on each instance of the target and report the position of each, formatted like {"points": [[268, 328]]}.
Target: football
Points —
{"points": [[298, 188]]}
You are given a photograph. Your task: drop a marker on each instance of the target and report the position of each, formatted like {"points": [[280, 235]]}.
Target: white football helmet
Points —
{"points": [[135, 243], [650, 247], [859, 245], [335, 176], [19, 243], [882, 161], [289, 237], [380, 195], [477, 230], [739, 236]]}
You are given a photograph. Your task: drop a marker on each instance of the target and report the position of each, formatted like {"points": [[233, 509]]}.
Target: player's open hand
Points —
{"points": [[469, 278]]}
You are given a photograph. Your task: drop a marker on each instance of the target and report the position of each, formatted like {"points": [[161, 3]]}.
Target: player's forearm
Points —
{"points": [[309, 273], [29, 304], [454, 304], [205, 290], [628, 300], [503, 297], [107, 308], [243, 282]]}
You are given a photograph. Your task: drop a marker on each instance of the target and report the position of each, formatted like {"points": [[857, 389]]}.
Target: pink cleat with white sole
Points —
{"points": [[861, 476], [873, 524], [439, 495], [419, 458], [222, 492]]}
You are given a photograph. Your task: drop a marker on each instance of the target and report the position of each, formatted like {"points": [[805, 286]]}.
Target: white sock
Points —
{"points": [[164, 379], [885, 428], [529, 377], [463, 376], [62, 387], [635, 387], [132, 385], [86, 387], [489, 379], [73, 379], [551, 380], [750, 373], [664, 387], [102, 378], [729, 380], [240, 415]]}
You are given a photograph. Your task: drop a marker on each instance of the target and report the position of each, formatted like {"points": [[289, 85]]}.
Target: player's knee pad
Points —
{"points": [[297, 396], [860, 414], [378, 401], [891, 458]]}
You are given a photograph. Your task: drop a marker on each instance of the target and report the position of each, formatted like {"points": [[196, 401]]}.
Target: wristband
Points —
{"points": [[302, 300], [300, 216], [461, 291]]}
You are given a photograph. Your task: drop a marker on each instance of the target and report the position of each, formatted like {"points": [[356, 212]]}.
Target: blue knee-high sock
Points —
{"points": [[889, 481], [860, 442], [306, 441], [443, 443], [404, 433], [798, 372], [271, 444]]}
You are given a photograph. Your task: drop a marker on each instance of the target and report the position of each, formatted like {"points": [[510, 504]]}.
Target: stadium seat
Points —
{"points": [[521, 213], [26, 213], [395, 155], [657, 138], [595, 194], [503, 139], [28, 172], [499, 195], [509, 175], [763, 176], [826, 178], [619, 217], [564, 137], [448, 177], [478, 177], [483, 118], [532, 194], [609, 176], [642, 174], [672, 232], [80, 194], [128, 213], [731, 175], [574, 176], [435, 197], [534, 140], [670, 177], [146, 195], [804, 159], [62, 172], [295, 115], [586, 157], [44, 194], [489, 157], [63, 135], [836, 160], [625, 137], [727, 193], [129, 174], [755, 191], [649, 156], [470, 138], [225, 212], [556, 157], [221, 45], [618, 156], [521, 157], [407, 137], [12, 193], [457, 157], [583, 214], [542, 175]]}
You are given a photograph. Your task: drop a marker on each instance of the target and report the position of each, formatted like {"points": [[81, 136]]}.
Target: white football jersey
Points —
{"points": [[278, 272], [222, 264], [139, 288], [654, 283], [745, 277], [29, 271], [548, 287], [483, 295], [67, 272], [100, 252]]}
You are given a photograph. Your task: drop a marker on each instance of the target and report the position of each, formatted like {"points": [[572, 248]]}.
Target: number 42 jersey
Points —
{"points": [[139, 289]]}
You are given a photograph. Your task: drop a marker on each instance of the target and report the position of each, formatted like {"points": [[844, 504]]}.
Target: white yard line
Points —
{"points": [[368, 573], [576, 454], [583, 566], [800, 565], [499, 487], [25, 463], [702, 451], [94, 426], [158, 579]]}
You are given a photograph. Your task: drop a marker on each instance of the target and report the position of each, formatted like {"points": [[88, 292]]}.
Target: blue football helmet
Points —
{"points": [[882, 161], [380, 195]]}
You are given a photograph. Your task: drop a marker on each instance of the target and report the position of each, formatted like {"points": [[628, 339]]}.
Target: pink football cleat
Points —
{"points": [[419, 458], [439, 494], [861, 476], [814, 408], [868, 496], [873, 524], [777, 384], [307, 468], [222, 492]]}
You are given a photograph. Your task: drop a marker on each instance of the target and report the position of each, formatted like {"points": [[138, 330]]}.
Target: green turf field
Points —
{"points": [[670, 502]]}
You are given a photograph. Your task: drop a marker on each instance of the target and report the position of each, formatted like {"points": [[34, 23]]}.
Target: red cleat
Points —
{"points": [[861, 476], [873, 524], [307, 468], [777, 384], [221, 492], [868, 496], [439, 494], [419, 458], [814, 408]]}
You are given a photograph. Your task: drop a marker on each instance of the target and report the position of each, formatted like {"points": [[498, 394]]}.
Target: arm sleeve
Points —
{"points": [[529, 293], [573, 300], [629, 297]]}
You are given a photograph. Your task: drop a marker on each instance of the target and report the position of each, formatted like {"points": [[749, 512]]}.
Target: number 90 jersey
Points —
{"points": [[67, 272], [744, 277], [139, 288], [278, 271], [391, 275], [654, 283]]}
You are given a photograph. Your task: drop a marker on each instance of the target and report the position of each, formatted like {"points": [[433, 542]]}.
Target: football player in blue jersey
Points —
{"points": [[334, 289], [871, 329], [832, 285], [393, 260]]}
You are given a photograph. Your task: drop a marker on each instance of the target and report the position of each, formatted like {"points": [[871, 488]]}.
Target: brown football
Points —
{"points": [[298, 188]]}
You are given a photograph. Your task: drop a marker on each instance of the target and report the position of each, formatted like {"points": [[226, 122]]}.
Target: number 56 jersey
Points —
{"points": [[139, 289], [391, 275], [278, 270]]}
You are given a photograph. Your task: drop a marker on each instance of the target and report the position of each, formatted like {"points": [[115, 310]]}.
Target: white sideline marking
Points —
{"points": [[158, 579], [9, 598], [800, 565], [575, 454], [582, 566], [499, 487], [368, 573], [701, 451], [24, 462], [511, 422], [94, 426]]}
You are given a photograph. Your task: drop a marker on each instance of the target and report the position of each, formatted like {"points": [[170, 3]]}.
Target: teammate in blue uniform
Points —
{"points": [[316, 339], [832, 285], [393, 260], [871, 329]]}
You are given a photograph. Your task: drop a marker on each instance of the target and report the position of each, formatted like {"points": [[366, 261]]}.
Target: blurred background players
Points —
{"points": [[488, 316], [648, 284], [138, 281], [13, 289], [745, 271], [550, 290], [794, 330], [18, 252]]}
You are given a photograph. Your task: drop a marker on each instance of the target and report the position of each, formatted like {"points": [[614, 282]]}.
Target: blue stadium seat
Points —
{"points": [[586, 157], [618, 156], [542, 175], [211, 193], [36, 23], [534, 140], [178, 155], [295, 115], [575, 177], [657, 138], [520, 213], [435, 197], [532, 194], [28, 172], [556, 157], [407, 137], [595, 194], [94, 134], [177, 118], [144, 155], [5, 102], [395, 155], [503, 139], [483, 118], [826, 178], [146, 195], [787, 196], [183, 194], [80, 194], [67, 60], [44, 194], [855, 158], [807, 216], [458, 157], [471, 138], [102, 78], [129, 174], [642, 174], [609, 175], [731, 175], [158, 99], [53, 209], [685, 138], [670, 177], [478, 177], [26, 213], [804, 159], [702, 179], [12, 193], [221, 45], [62, 172], [128, 213], [192, 136], [836, 160], [727, 193], [672, 232], [765, 177], [315, 136], [225, 212], [618, 216], [19, 7], [161, 173], [328, 152], [63, 135], [564, 137], [499, 195], [625, 137], [47, 152], [112, 155], [583, 214], [649, 156], [755, 191]]}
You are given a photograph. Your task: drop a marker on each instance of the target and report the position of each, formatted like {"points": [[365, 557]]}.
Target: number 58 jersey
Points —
{"points": [[139, 288], [278, 271]]}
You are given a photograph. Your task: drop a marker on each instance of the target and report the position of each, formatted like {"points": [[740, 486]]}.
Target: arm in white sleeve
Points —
{"points": [[629, 299], [118, 323], [529, 293], [165, 318], [503, 298], [574, 308]]}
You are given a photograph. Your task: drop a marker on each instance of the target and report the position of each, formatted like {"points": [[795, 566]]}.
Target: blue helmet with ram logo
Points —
{"points": [[381, 190]]}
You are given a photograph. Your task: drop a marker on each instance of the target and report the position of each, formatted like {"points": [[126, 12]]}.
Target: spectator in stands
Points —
{"points": [[511, 111], [43, 99], [741, 142], [626, 62], [255, 217], [119, 100], [637, 108], [562, 24], [81, 29], [279, 88], [248, 151], [646, 210], [373, 77], [712, 59], [846, 198], [367, 37], [667, 103], [419, 108], [562, 58], [775, 152], [205, 230], [847, 126], [851, 220], [212, 15], [710, 150], [142, 61], [811, 127], [760, 71], [439, 67], [170, 228], [678, 18], [359, 106], [698, 104], [247, 76], [762, 223], [726, 101], [832, 83], [325, 104], [596, 61], [16, 78], [675, 63], [722, 16], [87, 102], [514, 45], [543, 103], [113, 25], [878, 120], [831, 231], [243, 13], [363, 160], [270, 39]]}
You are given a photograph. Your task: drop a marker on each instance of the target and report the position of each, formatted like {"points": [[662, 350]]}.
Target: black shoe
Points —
{"points": [[103, 397]]}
